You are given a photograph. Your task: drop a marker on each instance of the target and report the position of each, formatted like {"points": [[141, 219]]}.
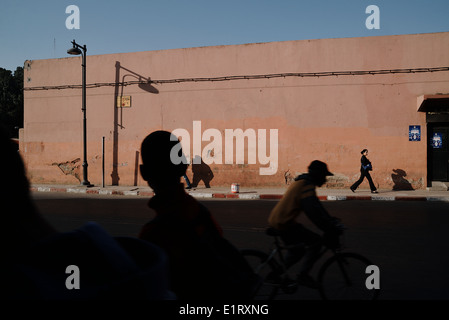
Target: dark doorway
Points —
{"points": [[436, 107], [438, 151]]}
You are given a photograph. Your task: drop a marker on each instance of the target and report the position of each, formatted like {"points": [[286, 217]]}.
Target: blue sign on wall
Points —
{"points": [[414, 133], [437, 140]]}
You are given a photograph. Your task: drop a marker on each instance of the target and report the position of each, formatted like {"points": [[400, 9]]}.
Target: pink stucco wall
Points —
{"points": [[326, 118]]}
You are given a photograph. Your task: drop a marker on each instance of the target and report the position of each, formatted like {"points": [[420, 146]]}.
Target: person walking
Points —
{"points": [[365, 168]]}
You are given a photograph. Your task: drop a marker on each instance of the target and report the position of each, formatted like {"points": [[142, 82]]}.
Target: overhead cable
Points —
{"points": [[243, 77]]}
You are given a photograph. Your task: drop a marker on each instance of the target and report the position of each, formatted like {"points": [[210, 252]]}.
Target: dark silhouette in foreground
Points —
{"points": [[203, 264], [38, 262]]}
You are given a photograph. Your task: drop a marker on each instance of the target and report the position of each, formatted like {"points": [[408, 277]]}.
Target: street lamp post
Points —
{"points": [[75, 50]]}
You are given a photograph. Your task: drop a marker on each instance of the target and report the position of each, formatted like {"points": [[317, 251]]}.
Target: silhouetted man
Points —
{"points": [[183, 227]]}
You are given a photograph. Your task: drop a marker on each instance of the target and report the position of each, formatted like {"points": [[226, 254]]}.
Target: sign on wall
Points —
{"points": [[437, 140], [414, 133], [124, 102]]}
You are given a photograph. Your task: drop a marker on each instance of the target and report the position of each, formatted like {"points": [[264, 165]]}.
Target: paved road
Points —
{"points": [[409, 241]]}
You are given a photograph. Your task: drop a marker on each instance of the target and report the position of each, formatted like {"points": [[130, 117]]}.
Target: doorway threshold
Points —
{"points": [[439, 186]]}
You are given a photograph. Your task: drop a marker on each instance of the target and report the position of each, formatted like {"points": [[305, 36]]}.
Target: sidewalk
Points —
{"points": [[256, 193]]}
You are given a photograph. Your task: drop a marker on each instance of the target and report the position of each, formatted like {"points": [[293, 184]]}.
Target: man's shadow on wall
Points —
{"points": [[201, 171], [400, 183]]}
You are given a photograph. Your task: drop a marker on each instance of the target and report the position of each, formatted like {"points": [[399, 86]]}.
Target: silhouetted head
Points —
{"points": [[21, 223], [14, 181], [318, 172], [163, 160], [364, 152]]}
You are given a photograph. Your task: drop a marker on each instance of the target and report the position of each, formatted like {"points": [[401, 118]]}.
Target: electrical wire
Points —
{"points": [[243, 77]]}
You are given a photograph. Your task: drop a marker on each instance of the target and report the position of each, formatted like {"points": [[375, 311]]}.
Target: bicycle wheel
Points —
{"points": [[343, 277], [266, 269]]}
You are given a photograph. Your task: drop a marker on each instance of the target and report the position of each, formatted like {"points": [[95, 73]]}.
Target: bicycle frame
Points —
{"points": [[279, 248], [273, 264]]}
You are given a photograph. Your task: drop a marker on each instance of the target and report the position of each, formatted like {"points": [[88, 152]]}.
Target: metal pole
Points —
{"points": [[85, 181], [102, 163]]}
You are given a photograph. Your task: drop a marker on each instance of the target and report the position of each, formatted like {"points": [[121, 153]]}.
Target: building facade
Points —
{"points": [[254, 114]]}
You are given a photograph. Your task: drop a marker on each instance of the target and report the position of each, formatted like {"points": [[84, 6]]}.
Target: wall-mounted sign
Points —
{"points": [[414, 133], [437, 140], [124, 102]]}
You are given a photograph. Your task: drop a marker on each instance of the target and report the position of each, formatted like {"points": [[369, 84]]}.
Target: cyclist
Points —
{"points": [[301, 197]]}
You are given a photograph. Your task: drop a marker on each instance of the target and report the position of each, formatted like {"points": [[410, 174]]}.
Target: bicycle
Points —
{"points": [[342, 276]]}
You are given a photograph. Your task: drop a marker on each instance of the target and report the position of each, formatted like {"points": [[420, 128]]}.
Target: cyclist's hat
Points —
{"points": [[319, 167]]}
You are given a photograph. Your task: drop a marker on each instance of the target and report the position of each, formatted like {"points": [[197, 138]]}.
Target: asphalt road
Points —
{"points": [[408, 241]]}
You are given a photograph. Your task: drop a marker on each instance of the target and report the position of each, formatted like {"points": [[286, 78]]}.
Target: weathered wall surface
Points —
{"points": [[327, 118]]}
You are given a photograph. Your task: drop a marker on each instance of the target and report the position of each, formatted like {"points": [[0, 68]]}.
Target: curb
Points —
{"points": [[93, 191], [242, 196]]}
